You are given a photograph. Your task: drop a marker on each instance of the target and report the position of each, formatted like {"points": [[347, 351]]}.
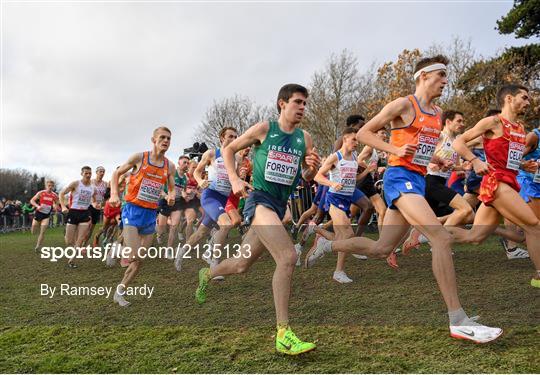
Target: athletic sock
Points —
{"points": [[281, 328], [459, 318]]}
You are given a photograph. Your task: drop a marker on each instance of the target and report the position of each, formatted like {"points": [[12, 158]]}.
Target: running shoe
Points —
{"points": [[200, 293], [412, 242], [341, 277], [514, 252], [360, 256], [315, 252], [119, 299], [535, 281], [298, 248], [288, 343], [179, 258], [392, 260], [478, 334], [310, 229]]}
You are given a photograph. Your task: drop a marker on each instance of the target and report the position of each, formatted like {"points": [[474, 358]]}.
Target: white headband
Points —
{"points": [[429, 68]]}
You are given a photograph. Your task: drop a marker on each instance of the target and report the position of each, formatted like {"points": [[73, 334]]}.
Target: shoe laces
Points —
{"points": [[291, 338]]}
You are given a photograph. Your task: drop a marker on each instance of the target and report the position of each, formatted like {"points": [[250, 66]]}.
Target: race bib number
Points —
{"points": [[85, 197], [178, 191], [536, 178], [281, 167], [515, 153], [149, 191], [223, 184], [425, 149]]}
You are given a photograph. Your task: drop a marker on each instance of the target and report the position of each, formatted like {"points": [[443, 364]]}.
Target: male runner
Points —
{"points": [[150, 171], [214, 197], [416, 124], [280, 148], [177, 210], [48, 200], [504, 144], [83, 194], [437, 191], [342, 167], [97, 208]]}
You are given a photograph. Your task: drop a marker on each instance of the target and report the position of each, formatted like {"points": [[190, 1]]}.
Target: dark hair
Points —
{"points": [[426, 61], [349, 130], [86, 167], [450, 115], [224, 130], [287, 91], [492, 112], [354, 120], [183, 157], [509, 89]]}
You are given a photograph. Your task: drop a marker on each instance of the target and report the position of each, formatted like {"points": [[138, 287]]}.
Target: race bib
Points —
{"points": [[515, 153], [85, 197], [281, 167], [425, 149], [223, 185], [178, 191], [536, 178], [149, 191]]}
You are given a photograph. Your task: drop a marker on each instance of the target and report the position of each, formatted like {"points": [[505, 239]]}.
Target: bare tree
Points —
{"points": [[236, 111], [334, 92]]}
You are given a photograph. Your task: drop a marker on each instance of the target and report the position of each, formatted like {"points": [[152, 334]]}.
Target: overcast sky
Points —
{"points": [[85, 83]]}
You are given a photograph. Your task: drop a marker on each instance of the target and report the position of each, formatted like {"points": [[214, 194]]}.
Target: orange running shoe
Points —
{"points": [[392, 260], [412, 242]]}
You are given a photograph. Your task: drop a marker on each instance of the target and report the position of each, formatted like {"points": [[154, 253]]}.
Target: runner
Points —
{"points": [[415, 123], [504, 144], [217, 189], [48, 201], [83, 193], [280, 148], [437, 192], [175, 212], [342, 166], [96, 209], [150, 170], [111, 215]]}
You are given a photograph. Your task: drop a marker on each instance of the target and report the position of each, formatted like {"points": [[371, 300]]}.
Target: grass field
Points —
{"points": [[386, 321]]}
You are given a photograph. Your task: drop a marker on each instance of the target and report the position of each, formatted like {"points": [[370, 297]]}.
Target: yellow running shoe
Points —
{"points": [[288, 343]]}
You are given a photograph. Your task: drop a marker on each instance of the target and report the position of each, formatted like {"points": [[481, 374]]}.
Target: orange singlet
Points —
{"points": [[145, 185], [424, 131]]}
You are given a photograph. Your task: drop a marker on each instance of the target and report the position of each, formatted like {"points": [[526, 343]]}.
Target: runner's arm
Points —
{"points": [[34, 199], [460, 143], [71, 187], [312, 161], [206, 159], [255, 134], [133, 162], [367, 134], [328, 164], [171, 194], [364, 154]]}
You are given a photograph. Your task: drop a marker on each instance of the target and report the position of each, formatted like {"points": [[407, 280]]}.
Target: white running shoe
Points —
{"points": [[181, 236], [179, 258], [342, 278], [478, 334], [517, 253], [310, 229], [119, 299], [360, 256], [218, 278], [298, 249], [318, 249], [110, 261]]}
